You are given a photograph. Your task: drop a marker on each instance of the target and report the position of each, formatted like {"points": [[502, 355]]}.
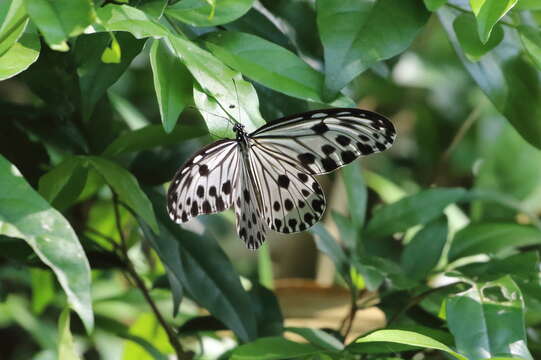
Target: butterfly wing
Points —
{"points": [[292, 200], [205, 184], [250, 227], [323, 140]]}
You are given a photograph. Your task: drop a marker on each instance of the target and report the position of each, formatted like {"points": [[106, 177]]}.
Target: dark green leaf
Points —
{"points": [[464, 26], [151, 136], [95, 76], [433, 5], [19, 56], [127, 188], [486, 323], [412, 210], [357, 34], [356, 192], [523, 265], [506, 79], [172, 82], [13, 23], [488, 13], [531, 39], [328, 245], [202, 13], [423, 252], [269, 64], [492, 238], [58, 20], [268, 314], [26, 215], [205, 272], [62, 185], [271, 348]]}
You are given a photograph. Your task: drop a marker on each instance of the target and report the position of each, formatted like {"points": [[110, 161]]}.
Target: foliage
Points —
{"points": [[102, 101]]}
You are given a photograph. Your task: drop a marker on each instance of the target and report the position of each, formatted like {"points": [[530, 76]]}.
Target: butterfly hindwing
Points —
{"points": [[322, 141], [292, 200], [250, 226], [205, 184]]}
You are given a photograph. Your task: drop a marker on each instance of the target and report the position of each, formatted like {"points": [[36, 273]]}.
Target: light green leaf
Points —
{"points": [[127, 18], [222, 85], [357, 34], [13, 24], [531, 40], [412, 210], [271, 348], [208, 12], [112, 54], [148, 328], [269, 64], [528, 5], [488, 13], [408, 338], [43, 289], [66, 345], [172, 82], [58, 20], [26, 215], [19, 56], [488, 320], [474, 49], [127, 188]]}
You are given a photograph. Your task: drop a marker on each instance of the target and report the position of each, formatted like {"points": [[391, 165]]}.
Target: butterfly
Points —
{"points": [[268, 175]]}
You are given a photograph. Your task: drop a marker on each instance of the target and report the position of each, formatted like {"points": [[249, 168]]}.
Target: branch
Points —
{"points": [[138, 281]]}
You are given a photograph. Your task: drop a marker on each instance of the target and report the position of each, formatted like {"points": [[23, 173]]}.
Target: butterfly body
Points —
{"points": [[268, 175]]}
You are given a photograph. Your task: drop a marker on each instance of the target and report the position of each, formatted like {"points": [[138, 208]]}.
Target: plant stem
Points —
{"points": [[350, 317], [138, 281]]}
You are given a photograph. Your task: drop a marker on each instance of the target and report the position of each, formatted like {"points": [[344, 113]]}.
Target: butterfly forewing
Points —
{"points": [[205, 184], [322, 141], [292, 200]]}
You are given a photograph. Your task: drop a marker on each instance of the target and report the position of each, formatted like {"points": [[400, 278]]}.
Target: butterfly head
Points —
{"points": [[239, 130]]}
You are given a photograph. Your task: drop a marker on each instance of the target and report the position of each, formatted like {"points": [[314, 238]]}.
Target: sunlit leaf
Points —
{"points": [[208, 12], [488, 13], [19, 56], [26, 215], [66, 345], [13, 24]]}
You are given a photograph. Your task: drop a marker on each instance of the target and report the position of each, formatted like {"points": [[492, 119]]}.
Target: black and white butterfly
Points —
{"points": [[268, 175]]}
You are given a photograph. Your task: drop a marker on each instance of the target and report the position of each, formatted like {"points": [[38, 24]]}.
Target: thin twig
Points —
{"points": [[138, 281]]}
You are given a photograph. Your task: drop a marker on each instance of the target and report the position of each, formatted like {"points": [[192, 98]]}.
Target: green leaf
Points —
{"points": [[423, 252], [112, 54], [356, 192], [147, 328], [488, 13], [127, 188], [222, 85], [95, 76], [407, 338], [531, 40], [26, 215], [506, 78], [328, 245], [208, 13], [58, 20], [357, 34], [172, 82], [66, 345], [13, 24], [269, 64], [488, 320], [318, 337], [412, 210], [269, 318], [271, 348], [434, 5], [528, 5], [127, 18], [149, 137], [474, 49], [204, 271], [522, 265], [43, 290], [19, 56], [62, 185], [492, 238]]}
